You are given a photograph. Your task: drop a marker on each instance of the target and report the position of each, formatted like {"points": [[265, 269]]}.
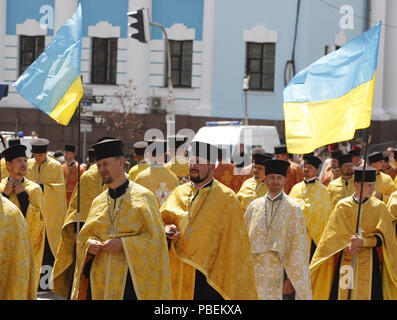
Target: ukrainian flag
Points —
{"points": [[52, 82], [326, 102]]}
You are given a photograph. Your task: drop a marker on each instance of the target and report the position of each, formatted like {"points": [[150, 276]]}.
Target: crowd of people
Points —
{"points": [[186, 222]]}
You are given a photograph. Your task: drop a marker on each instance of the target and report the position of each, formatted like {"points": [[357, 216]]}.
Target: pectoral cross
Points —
{"points": [[189, 230]]}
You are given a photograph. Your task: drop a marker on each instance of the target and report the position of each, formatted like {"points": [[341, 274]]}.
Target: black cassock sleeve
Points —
{"points": [[23, 199]]}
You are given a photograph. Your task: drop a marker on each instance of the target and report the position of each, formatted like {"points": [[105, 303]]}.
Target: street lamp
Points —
{"points": [[246, 81], [170, 116]]}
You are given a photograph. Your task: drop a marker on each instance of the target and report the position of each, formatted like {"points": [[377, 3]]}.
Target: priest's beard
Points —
{"points": [[198, 179]]}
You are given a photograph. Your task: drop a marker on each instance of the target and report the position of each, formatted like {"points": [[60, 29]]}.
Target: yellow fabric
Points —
{"points": [[281, 246], [138, 224], [135, 170], [218, 246], [90, 187], [392, 205], [250, 190], [316, 207], [64, 110], [17, 274], [54, 208], [4, 171], [338, 189], [395, 182], [385, 186], [310, 125], [34, 219], [374, 219], [158, 179], [180, 167]]}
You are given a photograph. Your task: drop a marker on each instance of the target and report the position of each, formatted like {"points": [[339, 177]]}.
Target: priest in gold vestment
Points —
{"points": [[157, 178], [48, 173], [17, 276], [363, 264], [139, 156], [384, 185], [314, 200], [209, 244], [91, 186], [121, 249], [343, 186], [254, 187], [28, 197], [278, 238], [178, 162]]}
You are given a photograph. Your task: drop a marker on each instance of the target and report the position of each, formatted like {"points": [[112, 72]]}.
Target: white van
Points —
{"points": [[232, 134]]}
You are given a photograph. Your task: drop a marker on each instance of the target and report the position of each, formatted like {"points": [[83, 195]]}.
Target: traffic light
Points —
{"points": [[138, 25]]}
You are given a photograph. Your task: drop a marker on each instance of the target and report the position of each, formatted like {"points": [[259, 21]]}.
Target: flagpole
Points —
{"points": [[78, 164], [359, 211]]}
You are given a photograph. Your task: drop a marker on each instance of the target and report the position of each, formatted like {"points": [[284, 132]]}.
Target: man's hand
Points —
{"points": [[112, 245], [355, 246], [94, 247], [10, 185], [379, 196], [172, 229], [19, 187], [287, 287]]}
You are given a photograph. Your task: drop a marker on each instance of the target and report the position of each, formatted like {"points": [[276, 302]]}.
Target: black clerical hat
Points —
{"points": [[14, 152], [108, 148], [204, 150], [70, 147], [375, 157], [157, 147], [13, 142], [105, 138], [355, 153], [258, 150], [276, 167], [281, 149], [39, 145], [139, 147], [174, 142], [91, 155], [369, 176], [260, 159], [335, 154], [312, 160], [345, 158]]}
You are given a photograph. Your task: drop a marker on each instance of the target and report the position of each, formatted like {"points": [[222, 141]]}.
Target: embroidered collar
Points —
{"points": [[276, 198]]}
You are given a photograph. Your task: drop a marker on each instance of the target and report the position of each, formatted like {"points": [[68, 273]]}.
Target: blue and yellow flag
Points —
{"points": [[52, 82], [332, 98]]}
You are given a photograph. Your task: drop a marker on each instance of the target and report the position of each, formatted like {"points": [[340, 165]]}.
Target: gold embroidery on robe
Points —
{"points": [[90, 187], [339, 189], [145, 253], [135, 170], [158, 179], [218, 246], [250, 190], [281, 247], [34, 219], [50, 174], [316, 207], [180, 167], [374, 220], [17, 275]]}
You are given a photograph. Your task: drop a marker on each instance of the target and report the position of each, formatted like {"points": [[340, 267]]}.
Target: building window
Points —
{"points": [[30, 49], [181, 63], [260, 65], [104, 60]]}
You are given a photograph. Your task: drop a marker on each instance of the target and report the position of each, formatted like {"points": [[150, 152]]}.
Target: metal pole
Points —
{"points": [[170, 116], [359, 213]]}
